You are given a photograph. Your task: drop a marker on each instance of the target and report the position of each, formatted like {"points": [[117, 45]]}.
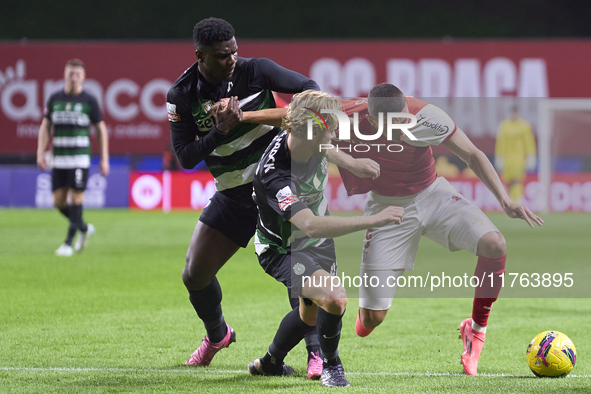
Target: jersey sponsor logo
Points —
{"points": [[172, 115], [286, 202], [285, 198], [205, 124], [270, 162], [457, 198]]}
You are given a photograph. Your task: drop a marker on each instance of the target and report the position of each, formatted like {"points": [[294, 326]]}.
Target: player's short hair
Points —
{"points": [[75, 63], [211, 30], [385, 97], [302, 107]]}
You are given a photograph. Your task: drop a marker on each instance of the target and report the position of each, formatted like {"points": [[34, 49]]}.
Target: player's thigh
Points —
{"points": [[393, 246], [208, 251], [232, 214], [60, 197], [59, 187], [378, 288], [454, 222]]}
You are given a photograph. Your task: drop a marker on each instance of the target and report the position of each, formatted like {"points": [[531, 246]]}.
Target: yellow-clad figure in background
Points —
{"points": [[515, 152]]}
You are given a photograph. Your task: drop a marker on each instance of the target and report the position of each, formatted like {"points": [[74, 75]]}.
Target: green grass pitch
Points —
{"points": [[117, 318]]}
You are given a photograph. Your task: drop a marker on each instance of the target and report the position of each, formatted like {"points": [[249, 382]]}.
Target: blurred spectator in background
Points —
{"points": [[515, 152], [70, 112]]}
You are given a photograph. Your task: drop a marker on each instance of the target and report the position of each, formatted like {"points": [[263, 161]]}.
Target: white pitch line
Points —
{"points": [[193, 370]]}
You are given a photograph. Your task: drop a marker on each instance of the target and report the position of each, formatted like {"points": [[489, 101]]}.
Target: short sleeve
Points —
{"points": [[281, 198], [48, 107], [95, 112], [434, 126]]}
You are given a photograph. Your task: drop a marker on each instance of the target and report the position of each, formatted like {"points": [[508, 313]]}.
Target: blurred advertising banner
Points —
{"points": [[192, 190], [131, 79], [27, 186]]}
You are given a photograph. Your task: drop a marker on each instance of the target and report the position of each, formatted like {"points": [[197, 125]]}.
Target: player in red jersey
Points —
{"points": [[406, 177], [432, 206]]}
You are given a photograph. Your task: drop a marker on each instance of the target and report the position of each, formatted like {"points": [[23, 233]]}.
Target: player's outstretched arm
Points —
{"points": [[42, 142], [270, 116], [461, 145], [362, 167], [335, 226]]}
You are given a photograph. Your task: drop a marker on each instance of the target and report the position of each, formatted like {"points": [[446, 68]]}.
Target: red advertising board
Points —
{"points": [[192, 190], [130, 79]]}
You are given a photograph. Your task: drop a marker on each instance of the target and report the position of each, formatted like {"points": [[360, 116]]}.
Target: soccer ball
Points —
{"points": [[551, 354]]}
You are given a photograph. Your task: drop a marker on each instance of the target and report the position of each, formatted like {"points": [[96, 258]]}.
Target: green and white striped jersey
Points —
{"points": [[282, 188], [230, 158], [71, 117]]}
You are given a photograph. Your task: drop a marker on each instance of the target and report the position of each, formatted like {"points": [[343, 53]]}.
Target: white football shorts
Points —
{"points": [[439, 213]]}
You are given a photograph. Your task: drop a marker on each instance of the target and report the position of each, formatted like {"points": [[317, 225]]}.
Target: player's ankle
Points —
{"points": [[478, 327]]}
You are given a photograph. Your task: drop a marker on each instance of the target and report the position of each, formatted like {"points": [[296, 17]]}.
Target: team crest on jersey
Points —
{"points": [[208, 106], [299, 268], [78, 107], [285, 198]]}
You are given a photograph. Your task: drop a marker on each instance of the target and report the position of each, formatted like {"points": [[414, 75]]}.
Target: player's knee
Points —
{"points": [[371, 319], [193, 278], [336, 306], [493, 245]]}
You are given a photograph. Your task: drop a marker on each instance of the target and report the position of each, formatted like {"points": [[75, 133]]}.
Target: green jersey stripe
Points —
{"points": [[70, 151], [216, 171]]}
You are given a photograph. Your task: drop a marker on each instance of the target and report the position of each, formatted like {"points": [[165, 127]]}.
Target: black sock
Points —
{"points": [[72, 228], [65, 211], [76, 217], [290, 332], [329, 334], [311, 338], [312, 343], [207, 304]]}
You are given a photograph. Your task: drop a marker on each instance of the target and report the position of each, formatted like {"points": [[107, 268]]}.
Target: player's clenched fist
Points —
{"points": [[227, 116], [388, 215]]}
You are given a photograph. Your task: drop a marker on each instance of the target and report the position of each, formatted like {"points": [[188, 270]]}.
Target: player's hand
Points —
{"points": [[222, 104], [389, 215], [228, 117], [520, 211], [104, 167], [41, 161], [365, 168]]}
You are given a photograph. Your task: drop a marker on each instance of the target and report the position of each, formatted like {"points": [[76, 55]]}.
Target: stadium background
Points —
{"points": [[475, 62], [116, 318]]}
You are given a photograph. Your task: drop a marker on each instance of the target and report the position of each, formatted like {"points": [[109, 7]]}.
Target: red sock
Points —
{"points": [[487, 293], [360, 329]]}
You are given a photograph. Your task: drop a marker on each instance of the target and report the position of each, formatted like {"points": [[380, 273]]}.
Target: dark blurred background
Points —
{"points": [[155, 19]]}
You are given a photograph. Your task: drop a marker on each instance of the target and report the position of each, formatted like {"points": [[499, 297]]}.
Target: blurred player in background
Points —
{"points": [[515, 152], [71, 111], [293, 238], [433, 208], [200, 131]]}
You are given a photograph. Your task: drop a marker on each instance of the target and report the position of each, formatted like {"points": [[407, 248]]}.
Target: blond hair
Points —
{"points": [[298, 112]]}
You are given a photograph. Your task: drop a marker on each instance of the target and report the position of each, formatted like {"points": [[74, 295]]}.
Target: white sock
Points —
{"points": [[477, 327]]}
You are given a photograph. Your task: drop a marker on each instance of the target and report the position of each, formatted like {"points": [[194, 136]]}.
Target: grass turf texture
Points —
{"points": [[116, 318]]}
